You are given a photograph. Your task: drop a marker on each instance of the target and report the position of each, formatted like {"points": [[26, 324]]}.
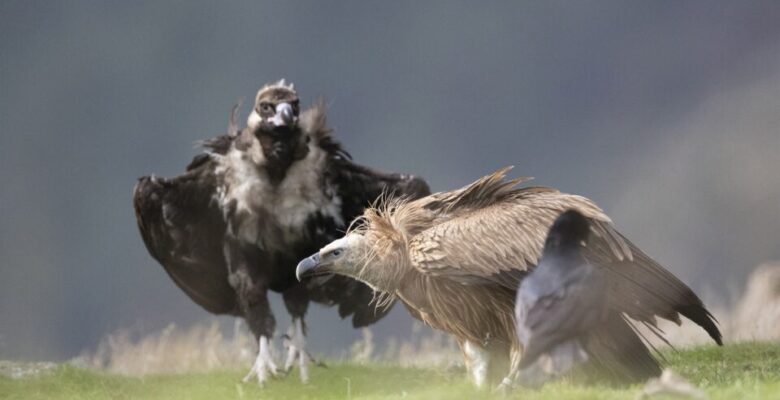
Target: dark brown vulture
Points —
{"points": [[236, 223], [456, 259]]}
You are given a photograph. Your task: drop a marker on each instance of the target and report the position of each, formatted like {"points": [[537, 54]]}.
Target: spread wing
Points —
{"points": [[357, 187], [183, 230], [360, 187], [497, 240]]}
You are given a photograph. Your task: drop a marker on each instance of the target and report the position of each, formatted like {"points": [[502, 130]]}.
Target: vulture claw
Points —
{"points": [[295, 342], [264, 364], [504, 388]]}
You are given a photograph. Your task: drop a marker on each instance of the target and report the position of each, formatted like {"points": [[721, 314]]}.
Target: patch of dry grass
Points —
{"points": [[202, 347], [206, 346]]}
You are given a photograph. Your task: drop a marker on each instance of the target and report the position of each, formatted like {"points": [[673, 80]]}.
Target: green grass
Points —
{"points": [[742, 371]]}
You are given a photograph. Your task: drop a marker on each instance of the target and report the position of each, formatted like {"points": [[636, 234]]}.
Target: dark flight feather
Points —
{"points": [[183, 230]]}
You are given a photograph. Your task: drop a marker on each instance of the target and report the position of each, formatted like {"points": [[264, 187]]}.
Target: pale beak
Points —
{"points": [[285, 116], [308, 266]]}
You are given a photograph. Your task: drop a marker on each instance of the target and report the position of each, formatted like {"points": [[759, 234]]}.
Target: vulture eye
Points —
{"points": [[266, 107], [336, 252]]}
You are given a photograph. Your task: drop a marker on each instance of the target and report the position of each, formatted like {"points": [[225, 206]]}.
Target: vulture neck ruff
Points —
{"points": [[252, 201], [386, 266]]}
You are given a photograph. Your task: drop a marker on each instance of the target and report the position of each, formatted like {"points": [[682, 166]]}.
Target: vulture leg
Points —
{"points": [[296, 350], [508, 382], [252, 294], [264, 363], [296, 300], [477, 362]]}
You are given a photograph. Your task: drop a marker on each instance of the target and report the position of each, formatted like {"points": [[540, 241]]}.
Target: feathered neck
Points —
{"points": [[387, 230]]}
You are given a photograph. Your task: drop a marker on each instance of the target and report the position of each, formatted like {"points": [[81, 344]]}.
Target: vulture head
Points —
{"points": [[273, 139], [342, 257], [276, 106], [375, 252]]}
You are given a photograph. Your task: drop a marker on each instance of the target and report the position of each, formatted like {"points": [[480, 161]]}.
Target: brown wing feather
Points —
{"points": [[643, 289], [507, 236], [182, 229], [484, 192], [358, 187], [498, 238], [617, 352]]}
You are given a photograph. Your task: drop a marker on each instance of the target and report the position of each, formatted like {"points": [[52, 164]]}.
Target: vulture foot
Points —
{"points": [[264, 364], [477, 360], [296, 350], [505, 387]]}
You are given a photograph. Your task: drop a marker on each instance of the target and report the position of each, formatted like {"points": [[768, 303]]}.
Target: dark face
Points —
{"points": [[276, 107], [274, 122]]}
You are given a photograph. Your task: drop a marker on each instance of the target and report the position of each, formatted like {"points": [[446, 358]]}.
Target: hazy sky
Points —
{"points": [[666, 113]]}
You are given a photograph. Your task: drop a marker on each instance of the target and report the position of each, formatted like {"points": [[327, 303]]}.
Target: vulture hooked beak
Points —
{"points": [[310, 266], [285, 116]]}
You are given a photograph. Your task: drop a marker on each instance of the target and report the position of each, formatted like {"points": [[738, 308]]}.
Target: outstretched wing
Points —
{"points": [[644, 289], [501, 238], [358, 187], [183, 230]]}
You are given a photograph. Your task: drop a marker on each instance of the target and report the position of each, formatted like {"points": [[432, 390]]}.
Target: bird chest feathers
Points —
{"points": [[276, 215], [478, 313]]}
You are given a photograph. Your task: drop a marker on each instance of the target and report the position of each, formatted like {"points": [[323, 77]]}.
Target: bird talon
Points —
{"points": [[504, 388], [264, 364], [295, 341]]}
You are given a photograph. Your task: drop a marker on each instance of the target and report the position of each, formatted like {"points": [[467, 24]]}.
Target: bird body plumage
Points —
{"points": [[456, 260], [234, 225]]}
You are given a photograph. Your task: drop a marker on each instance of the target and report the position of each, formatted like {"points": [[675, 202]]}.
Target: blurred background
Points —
{"points": [[666, 113]]}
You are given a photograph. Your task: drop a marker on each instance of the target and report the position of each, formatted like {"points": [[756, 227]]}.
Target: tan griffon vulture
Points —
{"points": [[456, 258]]}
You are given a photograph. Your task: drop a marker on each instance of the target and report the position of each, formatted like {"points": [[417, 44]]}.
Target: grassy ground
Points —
{"points": [[742, 371]]}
